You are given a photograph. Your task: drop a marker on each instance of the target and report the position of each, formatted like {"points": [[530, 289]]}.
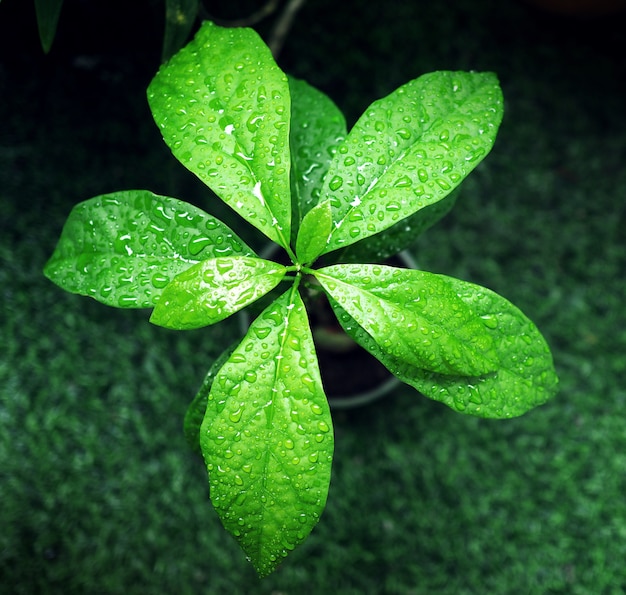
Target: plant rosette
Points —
{"points": [[277, 151]]}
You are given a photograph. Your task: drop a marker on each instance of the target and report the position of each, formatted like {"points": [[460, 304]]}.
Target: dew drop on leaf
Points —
{"points": [[336, 183], [490, 320], [323, 426], [159, 280], [250, 376]]}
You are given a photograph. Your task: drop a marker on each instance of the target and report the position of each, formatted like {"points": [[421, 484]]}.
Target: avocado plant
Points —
{"points": [[339, 204]]}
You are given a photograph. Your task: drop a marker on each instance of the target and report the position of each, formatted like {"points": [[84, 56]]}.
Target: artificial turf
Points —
{"points": [[98, 490]]}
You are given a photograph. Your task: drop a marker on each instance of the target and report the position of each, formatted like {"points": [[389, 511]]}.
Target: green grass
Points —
{"points": [[98, 491]]}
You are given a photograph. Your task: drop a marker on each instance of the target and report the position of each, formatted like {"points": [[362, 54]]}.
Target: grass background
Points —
{"points": [[98, 492]]}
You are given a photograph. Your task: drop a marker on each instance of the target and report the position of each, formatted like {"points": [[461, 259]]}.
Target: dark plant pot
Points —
{"points": [[351, 376]]}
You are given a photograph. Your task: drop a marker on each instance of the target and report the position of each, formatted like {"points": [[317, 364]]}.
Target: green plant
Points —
{"points": [[277, 151]]}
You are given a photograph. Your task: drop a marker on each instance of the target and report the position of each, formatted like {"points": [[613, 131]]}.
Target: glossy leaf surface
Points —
{"points": [[124, 248], [409, 150], [525, 377], [398, 237], [414, 316], [267, 436], [214, 289], [313, 233], [223, 108], [317, 128]]}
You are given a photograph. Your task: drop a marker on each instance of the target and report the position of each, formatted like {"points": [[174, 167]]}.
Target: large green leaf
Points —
{"points": [[409, 150], [213, 289], [124, 248], [525, 377], [223, 108], [402, 235], [414, 316], [317, 128], [267, 436]]}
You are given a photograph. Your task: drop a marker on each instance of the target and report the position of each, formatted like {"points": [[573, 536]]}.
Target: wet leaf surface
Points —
{"points": [[223, 108], [409, 150], [267, 436], [123, 248]]}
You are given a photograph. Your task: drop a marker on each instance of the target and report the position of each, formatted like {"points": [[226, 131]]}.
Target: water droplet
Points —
{"points": [[250, 376], [323, 426], [422, 174], [197, 244], [308, 381], [262, 331], [315, 408], [475, 396], [404, 133], [294, 343], [159, 280], [235, 416], [336, 183], [313, 457], [403, 182], [238, 480], [289, 444], [490, 320]]}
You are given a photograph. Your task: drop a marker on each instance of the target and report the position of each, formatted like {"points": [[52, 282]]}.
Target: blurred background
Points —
{"points": [[98, 490]]}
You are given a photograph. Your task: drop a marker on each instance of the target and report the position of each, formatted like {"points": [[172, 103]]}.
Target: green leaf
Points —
{"points": [[267, 436], [414, 316], [197, 408], [409, 150], [398, 237], [124, 248], [525, 377], [223, 108], [313, 233], [47, 12], [180, 16], [214, 289], [317, 128]]}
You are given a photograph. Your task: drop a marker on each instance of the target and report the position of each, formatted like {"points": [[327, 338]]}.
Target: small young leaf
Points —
{"points": [[409, 150], [525, 378], [214, 289], [313, 233], [123, 248], [223, 108], [414, 316], [317, 128], [267, 436]]}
